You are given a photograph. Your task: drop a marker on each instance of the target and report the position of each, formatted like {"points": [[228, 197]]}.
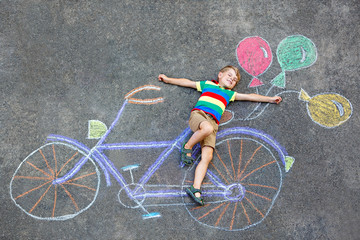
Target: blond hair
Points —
{"points": [[238, 76]]}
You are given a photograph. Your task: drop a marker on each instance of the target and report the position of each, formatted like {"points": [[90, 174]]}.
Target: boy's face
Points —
{"points": [[227, 79]]}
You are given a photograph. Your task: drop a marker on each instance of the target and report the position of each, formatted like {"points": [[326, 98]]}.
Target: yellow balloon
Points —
{"points": [[327, 109]]}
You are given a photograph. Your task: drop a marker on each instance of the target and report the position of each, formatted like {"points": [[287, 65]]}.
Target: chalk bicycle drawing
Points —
{"points": [[61, 179]]}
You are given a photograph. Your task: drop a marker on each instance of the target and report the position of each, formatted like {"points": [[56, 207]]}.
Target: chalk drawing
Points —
{"points": [[33, 191], [243, 181], [293, 53], [60, 180], [327, 109], [255, 57], [96, 129]]}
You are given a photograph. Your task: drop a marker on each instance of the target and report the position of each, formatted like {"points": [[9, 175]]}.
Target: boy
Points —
{"points": [[205, 117]]}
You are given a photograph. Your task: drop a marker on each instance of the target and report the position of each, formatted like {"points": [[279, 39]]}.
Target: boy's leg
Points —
{"points": [[205, 129], [201, 169]]}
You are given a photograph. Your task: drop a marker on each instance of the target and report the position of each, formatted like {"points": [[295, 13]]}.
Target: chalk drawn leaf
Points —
{"points": [[96, 129], [289, 161]]}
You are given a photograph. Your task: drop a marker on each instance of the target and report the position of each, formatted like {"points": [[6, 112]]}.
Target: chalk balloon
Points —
{"points": [[293, 53], [254, 56], [327, 109]]}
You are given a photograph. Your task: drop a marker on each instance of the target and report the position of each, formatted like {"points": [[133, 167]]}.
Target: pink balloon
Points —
{"points": [[254, 55]]}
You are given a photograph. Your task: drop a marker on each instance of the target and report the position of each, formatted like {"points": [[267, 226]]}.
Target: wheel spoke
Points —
{"points": [[257, 210], [42, 196], [240, 159], [47, 164], [247, 216], [231, 159], [55, 197], [212, 210], [227, 171], [34, 178], [258, 195], [199, 207], [73, 156], [222, 214], [40, 170], [257, 169], [233, 216], [80, 185], [250, 159], [53, 147], [219, 172], [71, 197], [27, 192], [86, 175], [259, 185]]}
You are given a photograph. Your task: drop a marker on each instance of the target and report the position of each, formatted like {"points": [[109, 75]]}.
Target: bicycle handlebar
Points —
{"points": [[147, 101]]}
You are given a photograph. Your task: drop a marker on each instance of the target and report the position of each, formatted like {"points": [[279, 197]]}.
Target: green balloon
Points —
{"points": [[295, 52]]}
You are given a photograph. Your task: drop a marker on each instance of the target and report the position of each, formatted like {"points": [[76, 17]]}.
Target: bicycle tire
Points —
{"points": [[33, 191], [240, 187]]}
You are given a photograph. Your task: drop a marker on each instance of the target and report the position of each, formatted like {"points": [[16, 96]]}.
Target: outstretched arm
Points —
{"points": [[177, 81], [257, 98]]}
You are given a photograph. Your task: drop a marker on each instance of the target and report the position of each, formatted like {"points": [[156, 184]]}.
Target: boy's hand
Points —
{"points": [[163, 78], [276, 99]]}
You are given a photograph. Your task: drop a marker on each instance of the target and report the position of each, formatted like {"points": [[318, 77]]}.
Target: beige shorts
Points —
{"points": [[197, 117]]}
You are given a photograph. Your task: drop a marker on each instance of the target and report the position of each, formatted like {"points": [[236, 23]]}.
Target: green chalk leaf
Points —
{"points": [[288, 162], [96, 129]]}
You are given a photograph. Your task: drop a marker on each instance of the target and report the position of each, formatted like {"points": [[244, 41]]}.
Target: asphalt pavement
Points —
{"points": [[90, 138]]}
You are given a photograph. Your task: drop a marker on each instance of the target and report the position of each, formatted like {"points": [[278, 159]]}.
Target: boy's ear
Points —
{"points": [[219, 75]]}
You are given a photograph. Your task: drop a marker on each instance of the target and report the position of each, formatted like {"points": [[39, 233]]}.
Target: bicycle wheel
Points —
{"points": [[240, 187], [33, 191]]}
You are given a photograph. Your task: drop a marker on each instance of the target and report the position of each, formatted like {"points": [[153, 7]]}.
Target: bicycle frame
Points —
{"points": [[96, 153]]}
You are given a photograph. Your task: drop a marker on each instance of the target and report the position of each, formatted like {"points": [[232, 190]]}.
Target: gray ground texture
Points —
{"points": [[63, 63]]}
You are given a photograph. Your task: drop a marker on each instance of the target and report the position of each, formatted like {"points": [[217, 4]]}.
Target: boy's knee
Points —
{"points": [[206, 127]]}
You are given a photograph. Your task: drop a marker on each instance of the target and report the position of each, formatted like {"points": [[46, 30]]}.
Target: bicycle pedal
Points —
{"points": [[130, 167], [151, 215]]}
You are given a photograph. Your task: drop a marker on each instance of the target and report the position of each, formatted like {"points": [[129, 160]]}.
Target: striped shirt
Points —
{"points": [[213, 99]]}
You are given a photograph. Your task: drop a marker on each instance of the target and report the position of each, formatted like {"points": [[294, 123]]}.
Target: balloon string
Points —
{"points": [[248, 118]]}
